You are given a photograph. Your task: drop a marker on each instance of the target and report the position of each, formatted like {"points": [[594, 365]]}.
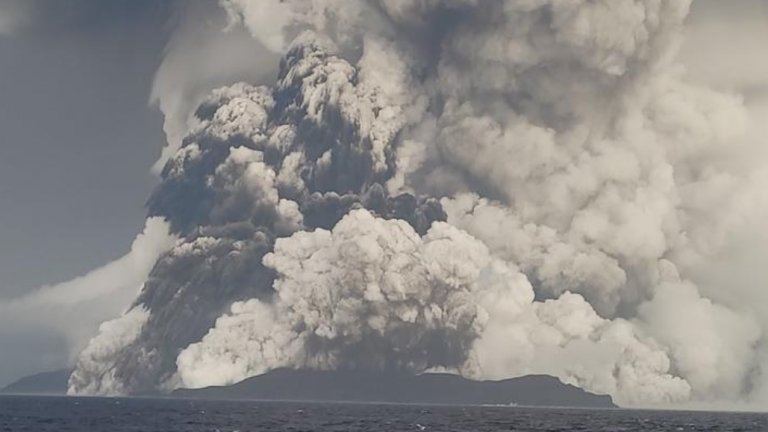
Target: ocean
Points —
{"points": [[58, 414]]}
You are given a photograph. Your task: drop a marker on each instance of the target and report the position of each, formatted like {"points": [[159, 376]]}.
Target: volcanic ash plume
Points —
{"points": [[490, 188]]}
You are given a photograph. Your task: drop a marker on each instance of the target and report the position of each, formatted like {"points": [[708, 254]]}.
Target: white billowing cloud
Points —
{"points": [[612, 171], [130, 270], [733, 33], [275, 23], [566, 338], [713, 346], [73, 310], [389, 102], [265, 19], [372, 293], [740, 268], [105, 349], [723, 50], [200, 57], [248, 182], [357, 286]]}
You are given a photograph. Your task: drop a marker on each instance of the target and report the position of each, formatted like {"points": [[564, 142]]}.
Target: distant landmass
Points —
{"points": [[46, 383], [306, 385], [341, 386]]}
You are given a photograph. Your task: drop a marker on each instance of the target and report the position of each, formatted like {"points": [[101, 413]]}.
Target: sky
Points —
{"points": [[79, 136]]}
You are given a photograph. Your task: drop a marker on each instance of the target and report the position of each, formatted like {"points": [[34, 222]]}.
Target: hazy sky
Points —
{"points": [[78, 137]]}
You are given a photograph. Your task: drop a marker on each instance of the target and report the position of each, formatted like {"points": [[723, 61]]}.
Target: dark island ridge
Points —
{"points": [[444, 389], [373, 387]]}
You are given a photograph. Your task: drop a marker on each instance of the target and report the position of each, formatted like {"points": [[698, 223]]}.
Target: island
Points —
{"points": [[371, 387], [430, 388], [46, 383]]}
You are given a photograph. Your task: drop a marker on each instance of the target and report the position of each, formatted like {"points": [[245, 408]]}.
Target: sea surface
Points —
{"points": [[43, 414]]}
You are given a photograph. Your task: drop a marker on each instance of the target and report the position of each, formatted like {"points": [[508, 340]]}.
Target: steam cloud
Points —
{"points": [[73, 310], [492, 188]]}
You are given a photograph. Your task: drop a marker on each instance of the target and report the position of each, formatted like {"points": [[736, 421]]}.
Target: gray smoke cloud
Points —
{"points": [[260, 164], [199, 58], [69, 313], [490, 188]]}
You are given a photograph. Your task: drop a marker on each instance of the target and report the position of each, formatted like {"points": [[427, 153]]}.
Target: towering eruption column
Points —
{"points": [[484, 187]]}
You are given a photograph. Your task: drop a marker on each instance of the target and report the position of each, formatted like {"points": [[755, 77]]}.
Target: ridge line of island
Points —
{"points": [[367, 387]]}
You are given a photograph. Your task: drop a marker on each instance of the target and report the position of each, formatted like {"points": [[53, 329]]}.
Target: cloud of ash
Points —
{"points": [[200, 57], [73, 310], [493, 188]]}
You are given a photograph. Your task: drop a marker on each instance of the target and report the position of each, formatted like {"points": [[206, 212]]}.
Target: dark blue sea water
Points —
{"points": [[40, 414]]}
